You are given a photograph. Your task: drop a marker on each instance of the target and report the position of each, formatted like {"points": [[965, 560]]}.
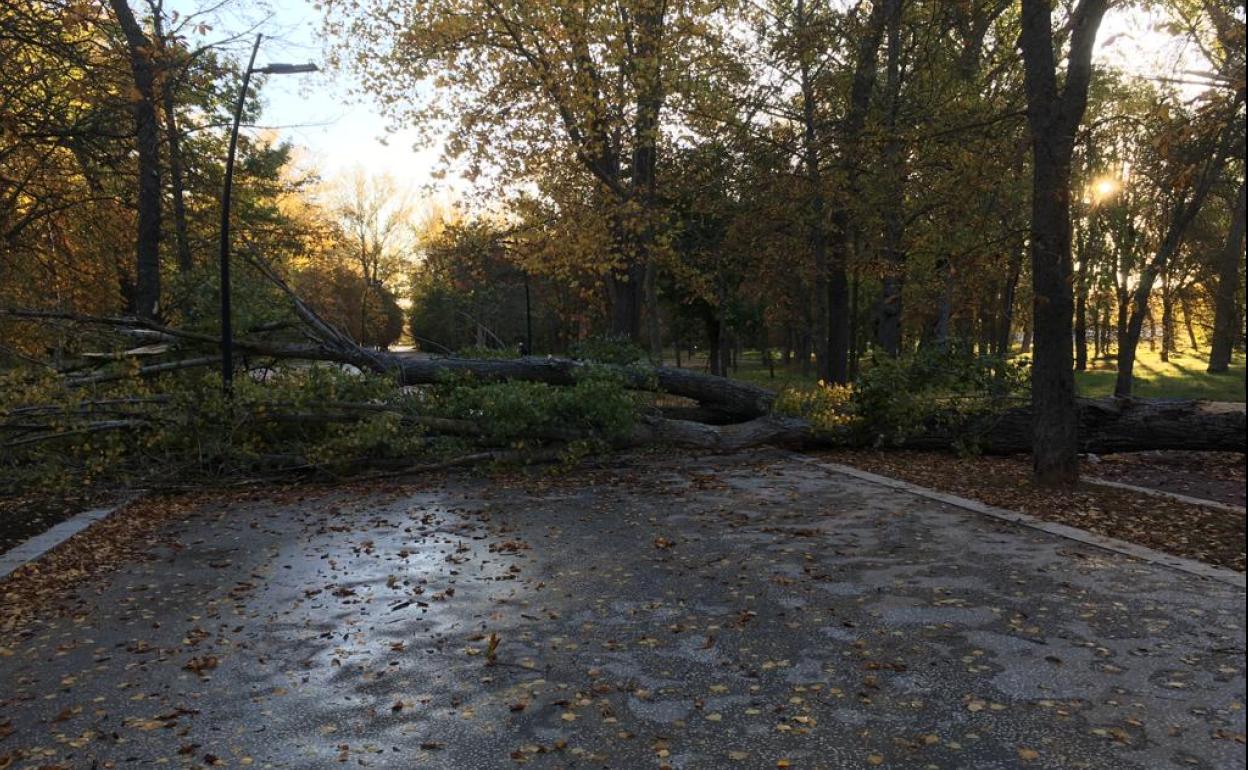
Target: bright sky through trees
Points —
{"points": [[339, 131]]}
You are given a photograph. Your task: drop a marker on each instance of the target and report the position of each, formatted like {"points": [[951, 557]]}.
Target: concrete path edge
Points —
{"points": [[26, 552], [1163, 493], [1190, 566]]}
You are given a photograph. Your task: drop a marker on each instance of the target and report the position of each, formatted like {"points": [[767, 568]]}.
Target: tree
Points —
{"points": [[538, 85], [143, 100], [1189, 169], [375, 220], [1225, 318], [1054, 114]]}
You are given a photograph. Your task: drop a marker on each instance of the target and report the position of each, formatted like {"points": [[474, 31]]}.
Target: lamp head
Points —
{"points": [[279, 68]]}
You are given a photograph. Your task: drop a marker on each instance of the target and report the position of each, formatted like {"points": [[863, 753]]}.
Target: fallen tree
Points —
{"points": [[1105, 425], [727, 414]]}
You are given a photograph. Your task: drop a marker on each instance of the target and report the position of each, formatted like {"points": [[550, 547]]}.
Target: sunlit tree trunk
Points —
{"points": [[1226, 326]]}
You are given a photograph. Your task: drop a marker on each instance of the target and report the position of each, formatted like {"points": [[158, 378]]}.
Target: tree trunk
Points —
{"points": [[653, 326], [855, 336], [1111, 425], [888, 330], [649, 104], [1167, 318], [842, 230], [1081, 316], [1097, 331], [1188, 320], [1054, 118], [816, 205], [1226, 326], [147, 140], [173, 141]]}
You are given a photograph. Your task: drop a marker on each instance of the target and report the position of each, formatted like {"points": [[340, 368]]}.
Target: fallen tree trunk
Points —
{"points": [[1107, 425], [733, 397]]}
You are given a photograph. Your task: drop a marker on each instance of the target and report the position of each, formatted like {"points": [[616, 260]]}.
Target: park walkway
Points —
{"points": [[745, 611]]}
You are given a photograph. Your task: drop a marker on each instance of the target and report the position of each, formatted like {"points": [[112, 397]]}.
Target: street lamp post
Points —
{"points": [[227, 331]]}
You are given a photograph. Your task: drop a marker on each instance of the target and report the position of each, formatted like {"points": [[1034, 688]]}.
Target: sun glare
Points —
{"points": [[1105, 188]]}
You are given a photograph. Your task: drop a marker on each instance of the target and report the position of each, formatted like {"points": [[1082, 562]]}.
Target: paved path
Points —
{"points": [[746, 611]]}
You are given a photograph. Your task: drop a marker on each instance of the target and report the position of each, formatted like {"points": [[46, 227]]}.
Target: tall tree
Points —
{"points": [[143, 100], [1188, 178], [842, 230], [1054, 113], [534, 85]]}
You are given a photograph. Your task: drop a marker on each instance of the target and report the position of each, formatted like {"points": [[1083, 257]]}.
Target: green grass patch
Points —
{"points": [[1183, 377]]}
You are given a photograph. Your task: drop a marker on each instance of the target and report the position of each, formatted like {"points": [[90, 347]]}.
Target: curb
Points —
{"points": [[1148, 555], [26, 552], [1162, 493]]}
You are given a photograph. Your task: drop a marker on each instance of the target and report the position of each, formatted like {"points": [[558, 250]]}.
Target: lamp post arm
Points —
{"points": [[227, 332]]}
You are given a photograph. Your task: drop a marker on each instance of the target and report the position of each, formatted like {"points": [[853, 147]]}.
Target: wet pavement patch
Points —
{"points": [[704, 612]]}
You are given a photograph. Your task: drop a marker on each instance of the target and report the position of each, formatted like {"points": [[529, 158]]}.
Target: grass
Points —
{"points": [[1183, 377]]}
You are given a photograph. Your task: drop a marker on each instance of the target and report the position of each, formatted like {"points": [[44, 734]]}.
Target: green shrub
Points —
{"points": [[598, 405], [827, 407], [950, 389], [617, 350]]}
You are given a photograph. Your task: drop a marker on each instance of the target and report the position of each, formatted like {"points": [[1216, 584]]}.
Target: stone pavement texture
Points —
{"points": [[699, 612]]}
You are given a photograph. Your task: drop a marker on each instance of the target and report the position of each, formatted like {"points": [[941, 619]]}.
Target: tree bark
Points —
{"points": [[146, 301], [841, 221], [1114, 425], [1167, 317], [1225, 319], [812, 161], [888, 330], [1054, 116], [173, 141]]}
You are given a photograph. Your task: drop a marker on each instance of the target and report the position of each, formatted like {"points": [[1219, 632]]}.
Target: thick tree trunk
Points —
{"points": [[147, 140], [1117, 425], [842, 223], [173, 141], [1052, 383], [838, 327], [888, 330], [625, 293], [1226, 326], [1054, 116]]}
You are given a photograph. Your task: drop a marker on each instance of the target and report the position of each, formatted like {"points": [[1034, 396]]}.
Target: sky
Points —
{"points": [[338, 130]]}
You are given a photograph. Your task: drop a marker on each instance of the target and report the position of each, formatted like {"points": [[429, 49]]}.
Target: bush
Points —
{"points": [[617, 350], [936, 388], [826, 407], [598, 405]]}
